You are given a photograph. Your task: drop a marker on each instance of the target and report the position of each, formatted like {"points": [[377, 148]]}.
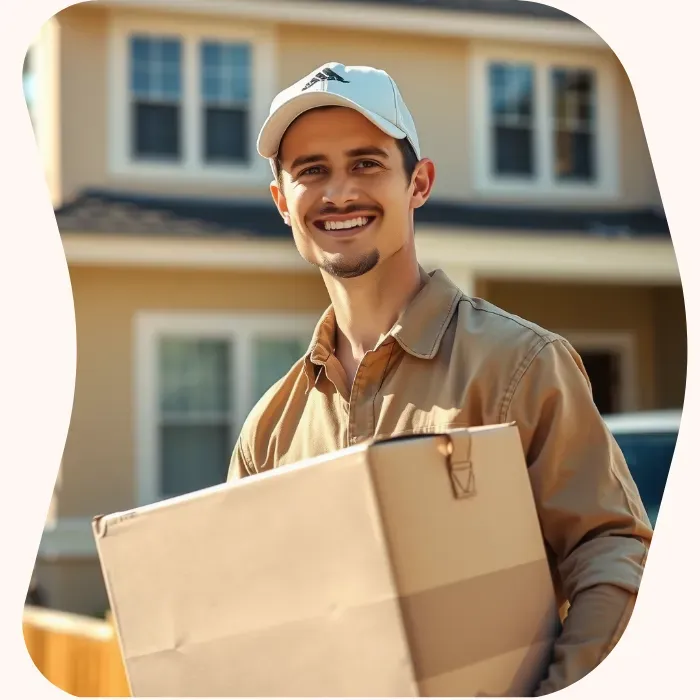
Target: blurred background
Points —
{"points": [[190, 297]]}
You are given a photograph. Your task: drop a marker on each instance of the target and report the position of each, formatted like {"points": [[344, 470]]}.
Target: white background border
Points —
{"points": [[656, 42]]}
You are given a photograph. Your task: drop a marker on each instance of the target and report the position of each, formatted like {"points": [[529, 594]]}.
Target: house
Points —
{"points": [[190, 298]]}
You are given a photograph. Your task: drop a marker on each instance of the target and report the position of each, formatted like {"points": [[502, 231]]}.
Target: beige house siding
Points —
{"points": [[670, 346], [431, 72], [638, 179], [98, 474], [573, 307], [83, 98]]}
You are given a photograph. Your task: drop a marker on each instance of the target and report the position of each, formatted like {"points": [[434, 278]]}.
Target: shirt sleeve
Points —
{"points": [[238, 466], [593, 521]]}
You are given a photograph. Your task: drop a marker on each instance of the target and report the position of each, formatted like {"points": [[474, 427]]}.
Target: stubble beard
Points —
{"points": [[342, 268]]}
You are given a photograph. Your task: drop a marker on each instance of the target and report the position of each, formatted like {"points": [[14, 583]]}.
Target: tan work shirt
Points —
{"points": [[454, 361]]}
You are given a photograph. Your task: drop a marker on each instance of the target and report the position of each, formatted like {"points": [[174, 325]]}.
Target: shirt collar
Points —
{"points": [[419, 330], [421, 327]]}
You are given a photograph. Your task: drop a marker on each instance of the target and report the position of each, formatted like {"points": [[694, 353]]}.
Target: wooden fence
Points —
{"points": [[80, 655]]}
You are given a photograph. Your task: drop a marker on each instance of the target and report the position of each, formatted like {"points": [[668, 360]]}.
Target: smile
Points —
{"points": [[352, 223], [359, 222]]}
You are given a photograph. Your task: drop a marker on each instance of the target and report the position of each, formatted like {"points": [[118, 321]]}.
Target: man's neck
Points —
{"points": [[367, 307]]}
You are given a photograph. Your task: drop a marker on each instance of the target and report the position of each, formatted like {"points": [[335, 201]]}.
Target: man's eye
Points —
{"points": [[313, 170], [364, 164]]}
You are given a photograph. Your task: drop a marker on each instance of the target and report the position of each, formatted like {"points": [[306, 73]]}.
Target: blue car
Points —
{"points": [[648, 441]]}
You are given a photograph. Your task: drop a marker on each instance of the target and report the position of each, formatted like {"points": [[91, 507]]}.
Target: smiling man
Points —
{"points": [[403, 351]]}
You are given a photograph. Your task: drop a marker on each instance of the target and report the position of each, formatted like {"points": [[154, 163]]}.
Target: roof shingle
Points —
{"points": [[100, 211]]}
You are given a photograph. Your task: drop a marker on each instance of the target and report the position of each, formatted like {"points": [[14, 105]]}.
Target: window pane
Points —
{"points": [[140, 82], [171, 84], [170, 52], [513, 151], [575, 156], [210, 88], [237, 67], [140, 49], [512, 95], [274, 357], [156, 130], [194, 375], [226, 135], [226, 72], [512, 90], [156, 68], [211, 55], [193, 457]]}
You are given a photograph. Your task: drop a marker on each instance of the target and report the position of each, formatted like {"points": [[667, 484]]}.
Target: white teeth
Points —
{"points": [[351, 223]]}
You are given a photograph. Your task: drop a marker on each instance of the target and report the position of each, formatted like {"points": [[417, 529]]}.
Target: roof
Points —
{"points": [[110, 212], [513, 8]]}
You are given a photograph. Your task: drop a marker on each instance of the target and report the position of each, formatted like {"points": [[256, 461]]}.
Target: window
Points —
{"points": [[187, 100], [195, 412], [156, 97], [543, 124], [198, 377]]}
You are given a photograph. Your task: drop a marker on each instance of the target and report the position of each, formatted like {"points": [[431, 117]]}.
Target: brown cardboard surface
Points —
{"points": [[366, 572]]}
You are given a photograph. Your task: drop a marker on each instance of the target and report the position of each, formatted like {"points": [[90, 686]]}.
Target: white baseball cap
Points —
{"points": [[370, 91]]}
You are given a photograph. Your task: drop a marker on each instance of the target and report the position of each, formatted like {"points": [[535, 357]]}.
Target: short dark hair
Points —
{"points": [[408, 156]]}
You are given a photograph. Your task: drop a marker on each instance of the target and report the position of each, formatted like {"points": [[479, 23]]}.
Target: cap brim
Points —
{"points": [[277, 124]]}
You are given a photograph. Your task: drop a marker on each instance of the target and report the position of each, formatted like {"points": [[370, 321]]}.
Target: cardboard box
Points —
{"points": [[405, 567]]}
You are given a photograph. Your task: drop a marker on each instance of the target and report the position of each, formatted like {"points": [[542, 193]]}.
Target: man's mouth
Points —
{"points": [[336, 225]]}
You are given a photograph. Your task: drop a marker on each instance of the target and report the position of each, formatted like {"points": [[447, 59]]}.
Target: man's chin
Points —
{"points": [[344, 267]]}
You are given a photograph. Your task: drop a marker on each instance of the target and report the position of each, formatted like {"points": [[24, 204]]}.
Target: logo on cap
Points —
{"points": [[325, 74]]}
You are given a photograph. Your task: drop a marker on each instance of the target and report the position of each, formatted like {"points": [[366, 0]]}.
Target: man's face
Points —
{"points": [[345, 192]]}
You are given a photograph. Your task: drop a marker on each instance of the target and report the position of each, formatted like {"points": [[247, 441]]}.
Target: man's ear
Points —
{"points": [[280, 201], [422, 182]]}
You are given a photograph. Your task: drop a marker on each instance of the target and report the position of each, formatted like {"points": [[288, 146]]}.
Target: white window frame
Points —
{"points": [[239, 327], [191, 166], [544, 184], [621, 343]]}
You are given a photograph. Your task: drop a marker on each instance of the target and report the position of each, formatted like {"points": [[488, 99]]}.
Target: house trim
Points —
{"points": [[492, 254], [543, 185], [190, 167], [621, 343], [243, 326], [431, 22]]}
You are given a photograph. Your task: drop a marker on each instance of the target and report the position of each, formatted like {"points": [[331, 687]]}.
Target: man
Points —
{"points": [[403, 351]]}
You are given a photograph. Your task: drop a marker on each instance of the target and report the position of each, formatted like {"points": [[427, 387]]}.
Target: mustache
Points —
{"points": [[330, 210]]}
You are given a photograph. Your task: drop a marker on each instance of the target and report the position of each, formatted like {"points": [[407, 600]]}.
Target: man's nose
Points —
{"points": [[340, 191]]}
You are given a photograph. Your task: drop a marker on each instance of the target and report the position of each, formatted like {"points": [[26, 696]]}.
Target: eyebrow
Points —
{"points": [[353, 153]]}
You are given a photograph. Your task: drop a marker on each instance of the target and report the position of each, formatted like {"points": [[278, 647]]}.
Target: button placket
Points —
{"points": [[363, 394]]}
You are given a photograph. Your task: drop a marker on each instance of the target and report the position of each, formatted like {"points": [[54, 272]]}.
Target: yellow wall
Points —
{"points": [[98, 460]]}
